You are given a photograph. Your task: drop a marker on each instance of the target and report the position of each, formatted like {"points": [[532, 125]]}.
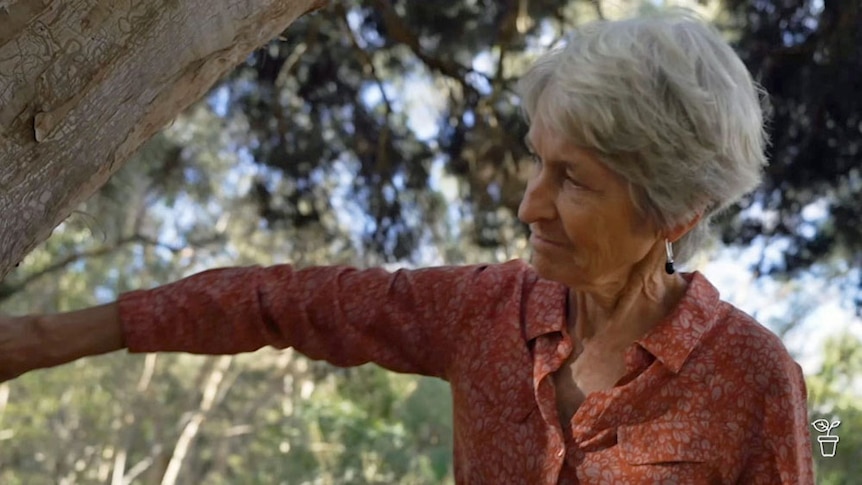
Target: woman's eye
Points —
{"points": [[573, 183], [536, 159]]}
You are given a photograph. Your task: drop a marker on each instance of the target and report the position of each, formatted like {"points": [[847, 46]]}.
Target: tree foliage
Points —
{"points": [[266, 417], [338, 88], [835, 395], [378, 132], [807, 55]]}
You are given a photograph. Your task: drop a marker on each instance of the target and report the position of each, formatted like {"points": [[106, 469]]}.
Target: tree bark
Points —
{"points": [[83, 83]]}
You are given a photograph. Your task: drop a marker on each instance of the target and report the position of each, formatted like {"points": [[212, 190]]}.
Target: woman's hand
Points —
{"points": [[36, 342]]}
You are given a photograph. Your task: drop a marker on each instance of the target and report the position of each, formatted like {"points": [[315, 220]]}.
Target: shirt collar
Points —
{"points": [[545, 309], [671, 341], [676, 337]]}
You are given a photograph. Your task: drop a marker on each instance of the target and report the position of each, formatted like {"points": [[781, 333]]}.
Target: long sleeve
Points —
{"points": [[785, 456], [407, 321]]}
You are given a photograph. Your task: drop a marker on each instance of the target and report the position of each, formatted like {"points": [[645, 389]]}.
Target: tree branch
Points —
{"points": [[4, 400], [225, 447], [142, 465], [7, 289], [368, 63], [292, 60], [192, 427], [597, 4], [399, 32]]}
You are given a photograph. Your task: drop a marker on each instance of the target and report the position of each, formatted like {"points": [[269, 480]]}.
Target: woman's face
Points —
{"points": [[586, 231]]}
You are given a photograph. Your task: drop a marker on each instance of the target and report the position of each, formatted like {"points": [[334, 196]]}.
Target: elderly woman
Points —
{"points": [[595, 363]]}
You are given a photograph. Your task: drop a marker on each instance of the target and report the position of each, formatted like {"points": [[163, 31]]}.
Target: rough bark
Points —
{"points": [[83, 83]]}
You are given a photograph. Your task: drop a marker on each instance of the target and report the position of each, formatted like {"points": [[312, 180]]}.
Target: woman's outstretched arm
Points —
{"points": [[410, 321]]}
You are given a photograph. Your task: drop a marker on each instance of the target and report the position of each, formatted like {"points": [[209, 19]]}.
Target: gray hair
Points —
{"points": [[667, 104]]}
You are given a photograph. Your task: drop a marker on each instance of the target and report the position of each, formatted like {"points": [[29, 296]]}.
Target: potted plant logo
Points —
{"points": [[828, 443]]}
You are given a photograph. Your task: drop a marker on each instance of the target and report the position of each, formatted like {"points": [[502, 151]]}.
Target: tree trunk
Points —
{"points": [[84, 83]]}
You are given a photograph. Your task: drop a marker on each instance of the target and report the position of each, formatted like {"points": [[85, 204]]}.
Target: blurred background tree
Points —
{"points": [[387, 132], [807, 56], [835, 394]]}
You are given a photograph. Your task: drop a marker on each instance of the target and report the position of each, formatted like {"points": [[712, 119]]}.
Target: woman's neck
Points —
{"points": [[624, 311]]}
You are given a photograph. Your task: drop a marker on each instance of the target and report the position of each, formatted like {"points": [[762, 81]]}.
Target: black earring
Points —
{"points": [[668, 266]]}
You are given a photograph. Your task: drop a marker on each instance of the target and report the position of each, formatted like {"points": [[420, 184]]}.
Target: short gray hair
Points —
{"points": [[667, 104]]}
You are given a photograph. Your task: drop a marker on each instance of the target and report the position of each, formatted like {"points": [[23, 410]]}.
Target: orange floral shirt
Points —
{"points": [[710, 395]]}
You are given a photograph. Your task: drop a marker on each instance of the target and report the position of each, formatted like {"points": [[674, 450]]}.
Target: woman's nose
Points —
{"points": [[537, 204]]}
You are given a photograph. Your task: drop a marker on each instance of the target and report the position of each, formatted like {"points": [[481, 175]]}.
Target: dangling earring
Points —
{"points": [[668, 266]]}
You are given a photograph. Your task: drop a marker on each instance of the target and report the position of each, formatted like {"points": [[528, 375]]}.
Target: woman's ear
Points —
{"points": [[675, 233]]}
